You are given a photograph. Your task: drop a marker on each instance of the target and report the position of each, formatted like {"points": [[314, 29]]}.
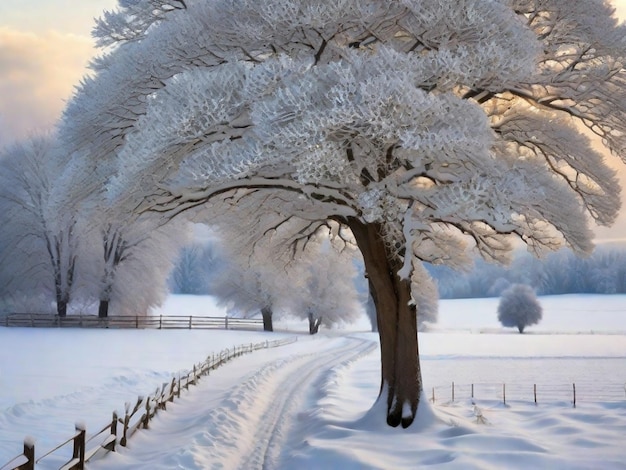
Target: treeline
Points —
{"points": [[604, 272]]}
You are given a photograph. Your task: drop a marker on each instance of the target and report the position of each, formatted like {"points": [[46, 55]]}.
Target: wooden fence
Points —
{"points": [[136, 417], [529, 393], [160, 322]]}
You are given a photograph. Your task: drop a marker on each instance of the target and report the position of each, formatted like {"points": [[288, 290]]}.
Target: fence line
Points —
{"points": [[161, 322], [534, 393], [135, 417]]}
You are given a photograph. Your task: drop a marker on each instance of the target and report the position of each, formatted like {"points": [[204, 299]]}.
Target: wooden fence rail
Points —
{"points": [[161, 322], [136, 416]]}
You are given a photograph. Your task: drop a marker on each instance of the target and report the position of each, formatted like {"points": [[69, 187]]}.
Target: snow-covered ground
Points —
{"points": [[308, 405]]}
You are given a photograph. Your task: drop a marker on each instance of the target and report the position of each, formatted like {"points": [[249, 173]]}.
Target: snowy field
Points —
{"points": [[307, 405]]}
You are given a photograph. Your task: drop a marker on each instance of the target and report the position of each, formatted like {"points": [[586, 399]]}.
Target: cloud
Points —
{"points": [[38, 73]]}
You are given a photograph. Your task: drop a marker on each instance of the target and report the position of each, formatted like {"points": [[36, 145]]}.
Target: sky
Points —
{"points": [[45, 46]]}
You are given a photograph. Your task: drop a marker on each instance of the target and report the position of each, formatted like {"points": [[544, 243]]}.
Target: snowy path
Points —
{"points": [[243, 415]]}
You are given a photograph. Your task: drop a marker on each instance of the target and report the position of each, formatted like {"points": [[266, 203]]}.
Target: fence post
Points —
{"points": [[79, 446], [114, 419], [172, 388], [137, 321], [452, 391], [146, 418], [226, 322], [190, 317], [535, 392], [433, 394], [29, 453], [574, 390], [504, 393], [160, 322], [124, 439], [472, 390]]}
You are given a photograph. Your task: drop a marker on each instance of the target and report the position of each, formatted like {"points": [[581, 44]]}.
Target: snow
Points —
{"points": [[312, 404]]}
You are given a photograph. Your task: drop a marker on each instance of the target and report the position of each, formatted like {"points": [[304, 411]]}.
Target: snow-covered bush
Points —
{"points": [[519, 307]]}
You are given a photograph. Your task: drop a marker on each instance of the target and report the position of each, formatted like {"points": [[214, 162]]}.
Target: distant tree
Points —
{"points": [[249, 285], [604, 272], [191, 273], [326, 293], [118, 240], [129, 261], [499, 286], [39, 236], [64, 245], [519, 307]]}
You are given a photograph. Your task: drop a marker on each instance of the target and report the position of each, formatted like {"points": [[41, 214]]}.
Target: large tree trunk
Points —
{"points": [[266, 313], [401, 379], [103, 309]]}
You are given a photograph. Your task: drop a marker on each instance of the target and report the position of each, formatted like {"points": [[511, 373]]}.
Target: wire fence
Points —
{"points": [[530, 392], [136, 416]]}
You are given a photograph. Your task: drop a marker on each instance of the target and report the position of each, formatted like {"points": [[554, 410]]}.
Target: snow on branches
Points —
{"points": [[442, 121]]}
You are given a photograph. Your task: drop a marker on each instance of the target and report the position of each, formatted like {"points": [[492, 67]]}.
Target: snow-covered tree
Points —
{"points": [[191, 273], [39, 237], [249, 283], [247, 288], [130, 260], [519, 307], [500, 285], [418, 126], [326, 293]]}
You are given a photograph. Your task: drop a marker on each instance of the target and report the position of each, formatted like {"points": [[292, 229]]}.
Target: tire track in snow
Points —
{"points": [[248, 428], [305, 372], [244, 414]]}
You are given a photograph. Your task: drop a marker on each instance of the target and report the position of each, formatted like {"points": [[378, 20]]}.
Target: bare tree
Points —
{"points": [[418, 126], [519, 307]]}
